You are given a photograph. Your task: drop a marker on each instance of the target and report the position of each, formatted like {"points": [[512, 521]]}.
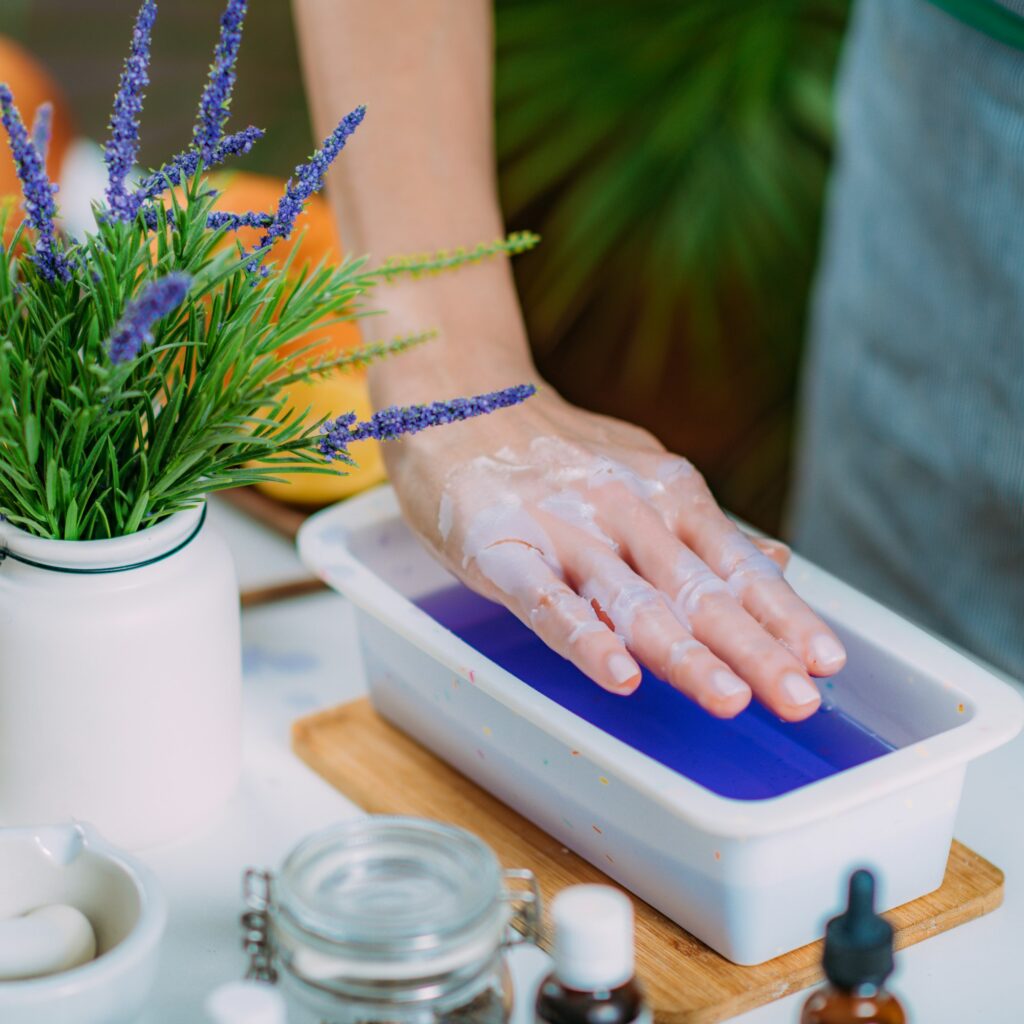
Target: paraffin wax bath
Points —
{"points": [[751, 757]]}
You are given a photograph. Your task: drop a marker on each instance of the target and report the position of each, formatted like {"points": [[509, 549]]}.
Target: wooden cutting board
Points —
{"points": [[386, 772]]}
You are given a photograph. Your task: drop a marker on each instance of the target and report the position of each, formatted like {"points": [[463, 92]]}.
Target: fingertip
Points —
{"points": [[793, 715], [722, 708], [718, 690], [825, 655], [797, 698], [629, 688], [724, 694], [623, 673]]}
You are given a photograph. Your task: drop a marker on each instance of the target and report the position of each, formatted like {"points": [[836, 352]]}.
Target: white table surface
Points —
{"points": [[301, 655]]}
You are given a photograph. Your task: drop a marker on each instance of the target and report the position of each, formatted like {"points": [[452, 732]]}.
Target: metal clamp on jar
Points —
{"points": [[390, 920]]}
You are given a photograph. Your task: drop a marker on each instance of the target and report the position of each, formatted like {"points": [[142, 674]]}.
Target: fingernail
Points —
{"points": [[826, 652], [725, 684], [623, 669], [797, 690]]}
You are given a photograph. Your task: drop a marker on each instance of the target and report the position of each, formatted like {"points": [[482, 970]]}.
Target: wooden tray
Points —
{"points": [[386, 772]]}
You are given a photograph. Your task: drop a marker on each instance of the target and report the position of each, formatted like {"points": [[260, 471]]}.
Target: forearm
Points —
{"points": [[419, 176]]}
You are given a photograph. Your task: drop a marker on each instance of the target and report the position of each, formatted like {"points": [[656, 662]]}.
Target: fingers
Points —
{"points": [[585, 574], [519, 575], [778, 679], [652, 632], [778, 552], [569, 625], [704, 603], [755, 577]]}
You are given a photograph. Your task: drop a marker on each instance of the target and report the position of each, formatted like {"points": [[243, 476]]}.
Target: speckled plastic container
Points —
{"points": [[752, 879]]}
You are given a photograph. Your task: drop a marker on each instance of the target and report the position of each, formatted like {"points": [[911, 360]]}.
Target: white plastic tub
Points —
{"points": [[752, 879]]}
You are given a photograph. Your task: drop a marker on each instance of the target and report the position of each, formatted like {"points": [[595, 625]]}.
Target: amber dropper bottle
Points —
{"points": [[857, 962], [593, 981]]}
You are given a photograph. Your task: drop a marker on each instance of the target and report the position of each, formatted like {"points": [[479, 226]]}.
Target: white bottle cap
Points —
{"points": [[593, 937], [246, 1002]]}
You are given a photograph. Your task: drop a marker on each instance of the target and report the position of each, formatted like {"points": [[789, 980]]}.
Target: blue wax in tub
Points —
{"points": [[751, 757]]}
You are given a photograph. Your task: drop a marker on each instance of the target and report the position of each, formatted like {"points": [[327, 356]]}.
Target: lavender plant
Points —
{"points": [[139, 366]]}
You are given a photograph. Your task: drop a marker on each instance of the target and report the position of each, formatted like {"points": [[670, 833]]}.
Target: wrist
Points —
{"points": [[480, 343], [414, 378]]}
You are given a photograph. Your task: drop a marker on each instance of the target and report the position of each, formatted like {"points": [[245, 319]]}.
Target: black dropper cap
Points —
{"points": [[858, 944]]}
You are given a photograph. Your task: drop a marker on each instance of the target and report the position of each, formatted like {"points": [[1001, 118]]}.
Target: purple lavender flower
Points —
{"points": [[185, 165], [42, 126], [215, 221], [38, 191], [235, 221], [308, 180], [398, 421], [216, 98], [123, 144], [157, 299]]}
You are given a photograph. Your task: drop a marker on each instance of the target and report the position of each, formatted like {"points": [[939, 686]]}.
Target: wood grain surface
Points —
{"points": [[386, 772], [284, 519]]}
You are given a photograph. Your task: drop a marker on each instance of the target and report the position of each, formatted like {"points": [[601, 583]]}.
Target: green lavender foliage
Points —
{"points": [[90, 449]]}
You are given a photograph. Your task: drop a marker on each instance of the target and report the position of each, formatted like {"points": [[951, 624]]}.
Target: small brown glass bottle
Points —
{"points": [[592, 982], [857, 961]]}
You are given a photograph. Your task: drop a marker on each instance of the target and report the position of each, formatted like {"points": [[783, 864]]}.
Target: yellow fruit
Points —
{"points": [[331, 396]]}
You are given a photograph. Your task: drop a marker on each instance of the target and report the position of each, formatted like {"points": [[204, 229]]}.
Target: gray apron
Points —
{"points": [[910, 472]]}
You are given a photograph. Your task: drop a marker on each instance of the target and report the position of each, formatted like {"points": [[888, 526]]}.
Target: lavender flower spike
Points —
{"points": [[309, 179], [40, 208], [123, 145], [215, 221], [397, 421], [184, 165], [42, 126], [216, 98], [235, 221], [158, 298]]}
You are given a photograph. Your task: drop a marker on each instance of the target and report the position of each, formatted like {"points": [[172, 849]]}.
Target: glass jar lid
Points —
{"points": [[391, 897]]}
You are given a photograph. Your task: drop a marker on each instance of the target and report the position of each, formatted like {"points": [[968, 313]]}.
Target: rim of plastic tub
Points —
{"points": [[998, 713], [108, 966]]}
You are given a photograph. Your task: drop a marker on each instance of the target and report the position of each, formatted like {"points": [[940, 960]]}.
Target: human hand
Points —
{"points": [[614, 552], [572, 521]]}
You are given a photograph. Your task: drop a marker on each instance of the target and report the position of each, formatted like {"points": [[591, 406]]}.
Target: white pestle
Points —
{"points": [[47, 940]]}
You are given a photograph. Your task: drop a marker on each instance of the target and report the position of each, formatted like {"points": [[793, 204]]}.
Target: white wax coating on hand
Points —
{"points": [[743, 564], [572, 508], [45, 941], [674, 468], [445, 515], [621, 594], [695, 581], [498, 539], [583, 628], [608, 471]]}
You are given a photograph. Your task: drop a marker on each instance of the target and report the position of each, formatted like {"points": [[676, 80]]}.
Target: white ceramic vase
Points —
{"points": [[120, 680]]}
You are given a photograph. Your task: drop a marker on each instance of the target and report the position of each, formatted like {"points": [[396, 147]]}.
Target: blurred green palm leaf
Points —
{"points": [[673, 155]]}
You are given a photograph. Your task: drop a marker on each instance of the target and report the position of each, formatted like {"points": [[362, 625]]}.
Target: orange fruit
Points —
{"points": [[31, 85], [243, 193], [335, 394], [338, 392]]}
